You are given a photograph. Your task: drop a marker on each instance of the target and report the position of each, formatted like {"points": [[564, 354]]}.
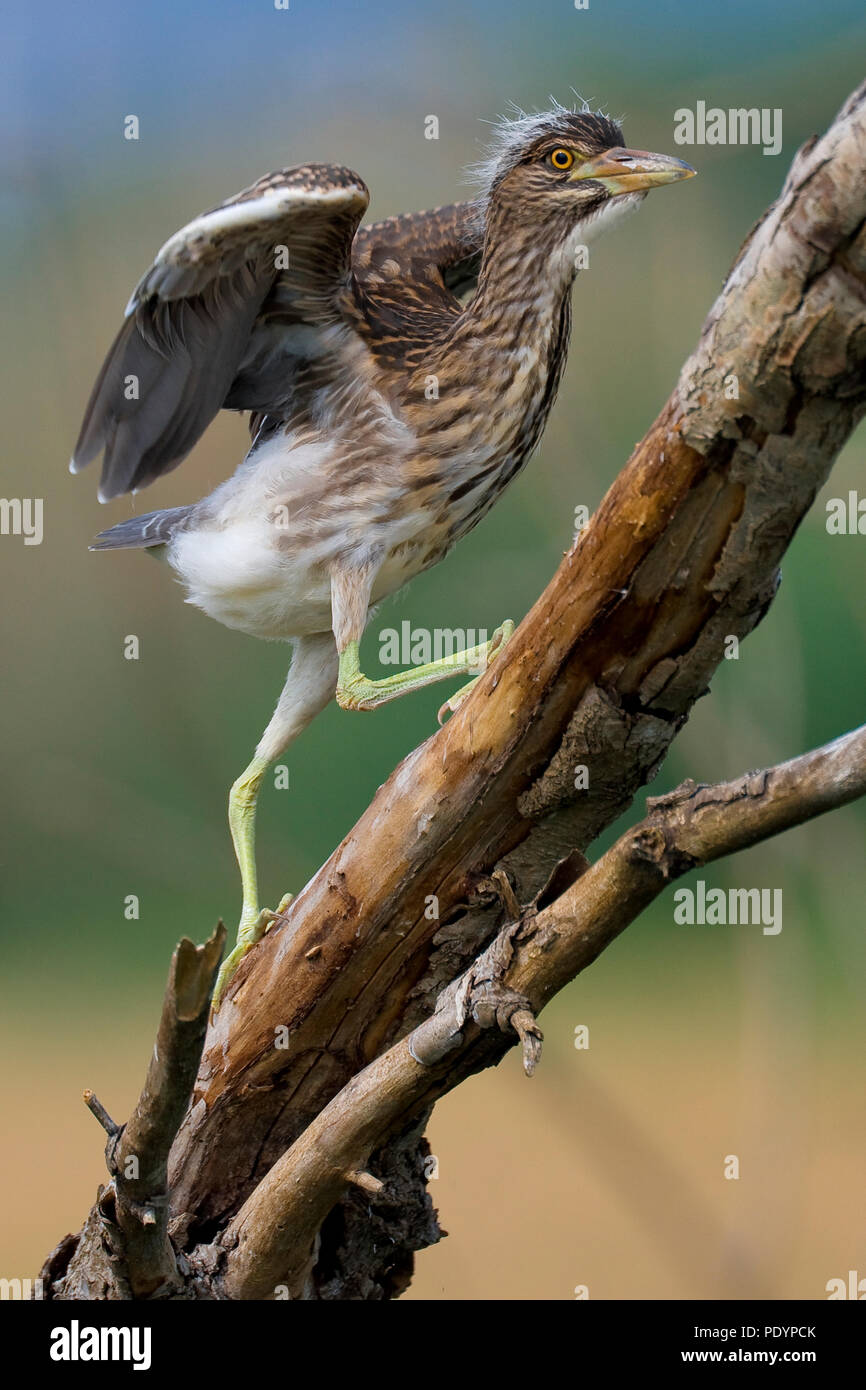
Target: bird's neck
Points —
{"points": [[508, 348], [498, 370], [524, 281]]}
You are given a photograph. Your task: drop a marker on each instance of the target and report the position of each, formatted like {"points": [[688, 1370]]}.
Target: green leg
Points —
{"points": [[309, 687], [355, 691], [242, 823]]}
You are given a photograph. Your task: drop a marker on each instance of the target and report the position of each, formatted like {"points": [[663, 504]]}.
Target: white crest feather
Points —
{"points": [[512, 132]]}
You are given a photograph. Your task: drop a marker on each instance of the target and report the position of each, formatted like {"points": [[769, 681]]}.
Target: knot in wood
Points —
{"points": [[649, 845], [493, 1004]]}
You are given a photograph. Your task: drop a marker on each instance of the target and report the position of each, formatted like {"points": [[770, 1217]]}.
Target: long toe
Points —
{"points": [[502, 634], [494, 647]]}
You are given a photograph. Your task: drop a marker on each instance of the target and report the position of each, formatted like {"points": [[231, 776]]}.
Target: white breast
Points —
{"points": [[259, 555], [232, 564]]}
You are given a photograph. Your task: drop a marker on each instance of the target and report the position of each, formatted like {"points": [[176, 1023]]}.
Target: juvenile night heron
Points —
{"points": [[359, 475]]}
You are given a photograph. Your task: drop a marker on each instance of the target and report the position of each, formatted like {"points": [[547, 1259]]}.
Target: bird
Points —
{"points": [[397, 377]]}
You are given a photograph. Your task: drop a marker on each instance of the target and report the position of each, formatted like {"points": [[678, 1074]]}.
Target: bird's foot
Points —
{"points": [[356, 691], [251, 930], [494, 647]]}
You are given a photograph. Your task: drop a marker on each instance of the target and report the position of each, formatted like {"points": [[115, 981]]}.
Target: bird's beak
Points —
{"points": [[628, 171]]}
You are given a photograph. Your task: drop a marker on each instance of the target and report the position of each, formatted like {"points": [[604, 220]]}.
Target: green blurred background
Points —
{"points": [[606, 1170]]}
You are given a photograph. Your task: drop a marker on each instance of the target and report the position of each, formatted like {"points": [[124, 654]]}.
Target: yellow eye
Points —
{"points": [[561, 159]]}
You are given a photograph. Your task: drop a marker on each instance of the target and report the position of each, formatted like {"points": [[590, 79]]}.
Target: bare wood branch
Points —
{"points": [[98, 1110], [139, 1158], [125, 1250], [270, 1240], [682, 554]]}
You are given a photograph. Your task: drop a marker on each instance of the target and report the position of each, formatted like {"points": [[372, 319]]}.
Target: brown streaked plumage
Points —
{"points": [[398, 376]]}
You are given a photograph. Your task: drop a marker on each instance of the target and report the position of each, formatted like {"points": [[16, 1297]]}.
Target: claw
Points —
{"points": [[452, 705], [248, 936], [494, 647], [279, 911]]}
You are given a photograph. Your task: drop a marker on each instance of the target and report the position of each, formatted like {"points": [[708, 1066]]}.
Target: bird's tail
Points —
{"points": [[139, 532]]}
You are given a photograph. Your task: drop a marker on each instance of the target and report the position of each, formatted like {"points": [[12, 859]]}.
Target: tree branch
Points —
{"points": [[132, 1212], [271, 1238]]}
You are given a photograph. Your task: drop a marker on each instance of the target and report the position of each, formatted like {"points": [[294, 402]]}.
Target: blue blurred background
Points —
{"points": [[607, 1169]]}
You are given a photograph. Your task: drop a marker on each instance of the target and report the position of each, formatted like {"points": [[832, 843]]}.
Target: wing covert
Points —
{"points": [[442, 246]]}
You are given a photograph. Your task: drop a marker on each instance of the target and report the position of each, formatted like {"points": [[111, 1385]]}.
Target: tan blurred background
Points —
{"points": [[607, 1169]]}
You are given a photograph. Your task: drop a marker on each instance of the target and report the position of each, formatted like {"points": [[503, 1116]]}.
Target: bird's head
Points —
{"points": [[567, 172]]}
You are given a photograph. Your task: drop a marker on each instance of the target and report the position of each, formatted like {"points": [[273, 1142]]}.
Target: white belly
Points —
{"points": [[238, 577], [259, 556]]}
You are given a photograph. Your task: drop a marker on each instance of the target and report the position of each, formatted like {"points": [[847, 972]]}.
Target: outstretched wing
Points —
{"points": [[440, 247], [188, 338]]}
